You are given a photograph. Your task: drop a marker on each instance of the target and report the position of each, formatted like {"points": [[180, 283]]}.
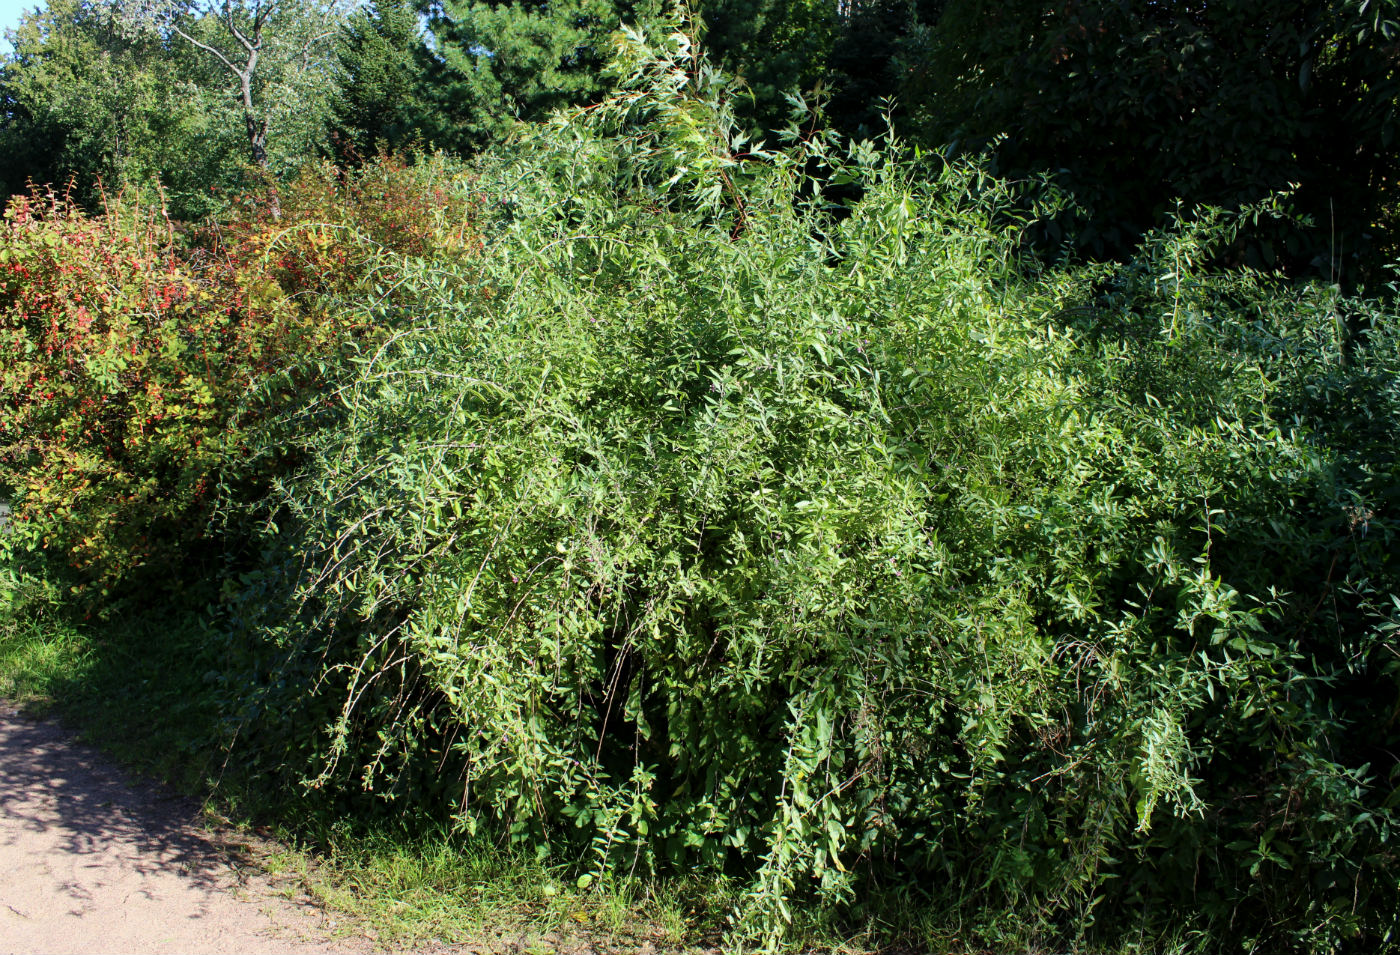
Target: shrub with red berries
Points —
{"points": [[131, 353]]}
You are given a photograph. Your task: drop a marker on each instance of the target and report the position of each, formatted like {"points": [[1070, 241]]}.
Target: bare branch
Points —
{"points": [[261, 15], [208, 49], [237, 33], [305, 54]]}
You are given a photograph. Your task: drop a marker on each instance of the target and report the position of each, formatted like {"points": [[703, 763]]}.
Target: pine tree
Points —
{"points": [[499, 62], [383, 100]]}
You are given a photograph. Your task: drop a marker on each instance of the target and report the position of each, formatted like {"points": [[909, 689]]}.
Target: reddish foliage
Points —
{"points": [[131, 355]]}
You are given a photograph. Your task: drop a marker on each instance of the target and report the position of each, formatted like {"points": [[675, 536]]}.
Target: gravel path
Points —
{"points": [[92, 862]]}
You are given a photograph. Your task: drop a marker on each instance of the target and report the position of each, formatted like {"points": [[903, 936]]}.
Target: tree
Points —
{"points": [[276, 51], [493, 62], [81, 100], [503, 62], [384, 65], [868, 62], [1137, 104], [775, 47]]}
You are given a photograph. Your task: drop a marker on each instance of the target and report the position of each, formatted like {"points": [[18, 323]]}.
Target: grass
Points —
{"points": [[416, 892], [142, 686], [33, 658]]}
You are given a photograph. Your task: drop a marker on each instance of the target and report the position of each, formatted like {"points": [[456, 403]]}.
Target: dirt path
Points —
{"points": [[92, 862]]}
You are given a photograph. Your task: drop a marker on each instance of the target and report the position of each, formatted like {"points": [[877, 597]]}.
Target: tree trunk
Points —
{"points": [[257, 129], [257, 139], [257, 132]]}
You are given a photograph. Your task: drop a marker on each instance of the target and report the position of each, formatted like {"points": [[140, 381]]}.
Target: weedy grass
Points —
{"points": [[35, 657], [411, 891]]}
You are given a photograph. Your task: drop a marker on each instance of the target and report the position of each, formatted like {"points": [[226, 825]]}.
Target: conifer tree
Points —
{"points": [[1134, 106], [382, 100], [499, 62]]}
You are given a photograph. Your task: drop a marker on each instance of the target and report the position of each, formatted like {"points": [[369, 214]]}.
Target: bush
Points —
{"points": [[143, 363], [322, 235], [856, 556], [117, 409]]}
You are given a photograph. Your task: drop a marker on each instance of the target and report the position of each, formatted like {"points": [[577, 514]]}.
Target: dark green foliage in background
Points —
{"points": [[1135, 105], [870, 66], [381, 99], [1130, 105], [774, 47], [499, 63]]}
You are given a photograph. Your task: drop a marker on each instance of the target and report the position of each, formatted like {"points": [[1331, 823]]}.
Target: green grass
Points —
{"points": [[35, 657], [415, 891], [142, 687], [130, 685]]}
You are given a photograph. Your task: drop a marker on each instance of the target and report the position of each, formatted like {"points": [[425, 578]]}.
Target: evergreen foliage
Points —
{"points": [[774, 47], [503, 63], [384, 63]]}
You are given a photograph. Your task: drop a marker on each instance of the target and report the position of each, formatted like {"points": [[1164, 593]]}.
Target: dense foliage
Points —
{"points": [[102, 95], [505, 62], [385, 68], [654, 499], [116, 392], [1129, 106], [84, 101], [127, 393], [1138, 105], [859, 558]]}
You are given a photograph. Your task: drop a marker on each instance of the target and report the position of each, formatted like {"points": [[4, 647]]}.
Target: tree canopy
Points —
{"points": [[1128, 107], [1134, 106]]}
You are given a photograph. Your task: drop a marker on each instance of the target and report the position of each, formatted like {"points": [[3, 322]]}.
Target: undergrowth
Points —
{"points": [[406, 883]]}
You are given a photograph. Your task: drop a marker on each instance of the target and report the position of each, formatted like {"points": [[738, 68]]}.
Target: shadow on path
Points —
{"points": [[91, 860]]}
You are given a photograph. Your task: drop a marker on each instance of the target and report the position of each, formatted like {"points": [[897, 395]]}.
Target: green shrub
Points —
{"points": [[852, 555]]}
